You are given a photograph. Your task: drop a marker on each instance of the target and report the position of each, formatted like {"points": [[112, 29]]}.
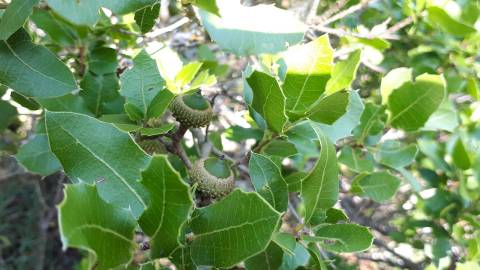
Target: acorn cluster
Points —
{"points": [[213, 176], [191, 110]]}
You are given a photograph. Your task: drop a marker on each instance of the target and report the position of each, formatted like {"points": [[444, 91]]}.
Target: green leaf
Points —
{"points": [[32, 70], [28, 103], [268, 181], [89, 223], [320, 186], [377, 43], [308, 70], [157, 130], [302, 134], [203, 79], [473, 88], [342, 237], [395, 155], [343, 73], [15, 16], [286, 241], [316, 258], [146, 17], [169, 208], [444, 118], [298, 259], [294, 181], [207, 5], [3, 90], [279, 148], [459, 153], [133, 112], [232, 230], [67, 103], [344, 126], [169, 63], [58, 29], [239, 134], [268, 100], [393, 80], [256, 35], [356, 160], [372, 122], [102, 60], [440, 17], [270, 259], [412, 103], [187, 73], [121, 121], [379, 186], [435, 152], [160, 103], [335, 215], [107, 155], [87, 12], [8, 113], [36, 156], [97, 90], [142, 83], [330, 108]]}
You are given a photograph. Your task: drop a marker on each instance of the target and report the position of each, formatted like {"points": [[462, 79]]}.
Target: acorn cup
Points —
{"points": [[191, 110], [213, 176], [151, 147]]}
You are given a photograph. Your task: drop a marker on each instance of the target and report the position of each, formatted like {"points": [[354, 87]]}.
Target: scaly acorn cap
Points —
{"points": [[151, 146], [213, 176], [191, 110]]}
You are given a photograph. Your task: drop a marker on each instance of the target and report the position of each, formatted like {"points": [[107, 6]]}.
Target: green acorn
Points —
{"points": [[213, 175], [151, 146], [191, 110]]}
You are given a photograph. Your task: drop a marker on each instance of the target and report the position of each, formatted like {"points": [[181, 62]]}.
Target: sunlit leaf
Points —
{"points": [[267, 30]]}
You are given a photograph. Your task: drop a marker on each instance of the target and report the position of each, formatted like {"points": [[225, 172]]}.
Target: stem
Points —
{"points": [[363, 4], [176, 146]]}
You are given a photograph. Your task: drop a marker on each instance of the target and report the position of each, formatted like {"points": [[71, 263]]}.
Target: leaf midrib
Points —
{"points": [[251, 223], [30, 67], [98, 227], [120, 177]]}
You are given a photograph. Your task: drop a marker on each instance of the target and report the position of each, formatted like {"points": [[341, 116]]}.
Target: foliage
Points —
{"points": [[337, 111]]}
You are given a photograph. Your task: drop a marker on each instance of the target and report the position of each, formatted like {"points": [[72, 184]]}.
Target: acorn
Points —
{"points": [[151, 146], [191, 110], [213, 176]]}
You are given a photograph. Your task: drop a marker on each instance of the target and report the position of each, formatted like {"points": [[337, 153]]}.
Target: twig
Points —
{"points": [[158, 32], [297, 217], [399, 25], [387, 34], [378, 260], [408, 263], [363, 4], [311, 11], [340, 32], [294, 213], [175, 147], [332, 10]]}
